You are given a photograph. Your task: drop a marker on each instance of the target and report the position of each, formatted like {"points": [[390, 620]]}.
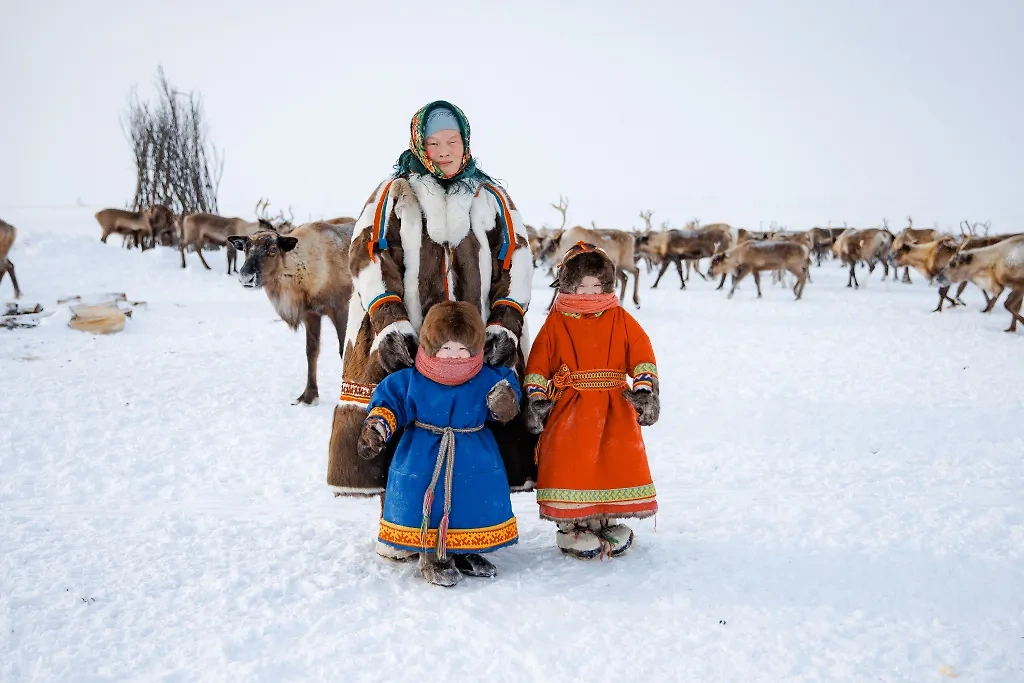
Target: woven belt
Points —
{"points": [[591, 380], [445, 452]]}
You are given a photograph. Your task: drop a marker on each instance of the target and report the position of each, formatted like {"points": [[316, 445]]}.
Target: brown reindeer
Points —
{"points": [[929, 258], [200, 229], [871, 246], [756, 256], [619, 245], [8, 233], [306, 276], [912, 235], [822, 240], [133, 225], [995, 268], [675, 246]]}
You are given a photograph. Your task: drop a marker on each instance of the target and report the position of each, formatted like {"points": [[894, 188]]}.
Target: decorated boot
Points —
{"points": [[439, 572], [578, 540], [615, 538], [475, 565], [394, 554]]}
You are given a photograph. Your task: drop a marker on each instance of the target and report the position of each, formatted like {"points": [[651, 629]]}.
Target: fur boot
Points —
{"points": [[394, 554], [616, 538], [475, 565], [439, 572], [577, 540]]}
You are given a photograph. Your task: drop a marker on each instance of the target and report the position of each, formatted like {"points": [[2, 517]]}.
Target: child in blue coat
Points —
{"points": [[447, 493]]}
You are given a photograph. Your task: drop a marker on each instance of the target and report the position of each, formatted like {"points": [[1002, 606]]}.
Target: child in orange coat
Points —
{"points": [[592, 463]]}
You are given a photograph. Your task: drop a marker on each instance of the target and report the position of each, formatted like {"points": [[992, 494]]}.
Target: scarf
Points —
{"points": [[415, 159], [584, 304], [448, 371]]}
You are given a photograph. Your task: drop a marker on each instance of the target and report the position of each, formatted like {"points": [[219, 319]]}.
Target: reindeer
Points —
{"points": [[996, 267], [306, 276], [929, 258], [134, 225], [822, 240], [618, 244], [691, 244], [199, 229], [8, 233], [755, 257], [871, 246], [912, 235]]}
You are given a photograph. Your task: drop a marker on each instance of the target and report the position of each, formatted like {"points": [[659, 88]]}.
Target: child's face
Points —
{"points": [[453, 349], [590, 285]]}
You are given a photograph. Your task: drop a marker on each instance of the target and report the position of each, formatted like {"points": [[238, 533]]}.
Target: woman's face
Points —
{"points": [[445, 149], [590, 285], [453, 349]]}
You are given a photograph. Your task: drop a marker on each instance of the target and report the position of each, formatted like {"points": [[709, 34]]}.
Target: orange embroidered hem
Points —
{"points": [[571, 513], [459, 540]]}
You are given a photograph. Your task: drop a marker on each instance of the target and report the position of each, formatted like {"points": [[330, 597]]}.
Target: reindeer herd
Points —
{"points": [[993, 263], [304, 269]]}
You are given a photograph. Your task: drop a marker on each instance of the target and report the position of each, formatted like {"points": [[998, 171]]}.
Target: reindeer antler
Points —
{"points": [[646, 217], [910, 222], [562, 207]]}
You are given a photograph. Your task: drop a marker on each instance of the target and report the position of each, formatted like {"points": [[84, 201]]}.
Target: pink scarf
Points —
{"points": [[448, 371], [584, 304]]}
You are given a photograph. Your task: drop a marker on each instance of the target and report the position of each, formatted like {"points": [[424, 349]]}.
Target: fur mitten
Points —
{"points": [[646, 402], [371, 439], [502, 402], [397, 350], [537, 411]]}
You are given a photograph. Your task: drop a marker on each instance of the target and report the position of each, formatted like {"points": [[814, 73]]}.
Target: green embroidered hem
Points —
{"points": [[606, 496]]}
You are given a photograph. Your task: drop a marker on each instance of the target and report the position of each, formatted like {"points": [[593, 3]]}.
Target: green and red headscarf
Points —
{"points": [[415, 159]]}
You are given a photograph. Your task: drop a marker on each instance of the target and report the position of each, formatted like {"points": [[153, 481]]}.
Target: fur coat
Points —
{"points": [[416, 244]]}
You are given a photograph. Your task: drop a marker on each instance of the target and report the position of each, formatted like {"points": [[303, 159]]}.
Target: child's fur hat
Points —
{"points": [[452, 321], [583, 259]]}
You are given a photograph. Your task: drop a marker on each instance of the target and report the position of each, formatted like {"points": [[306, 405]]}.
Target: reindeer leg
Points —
{"points": [[994, 299], [721, 284], [741, 273], [1013, 304], [181, 247], [311, 321], [696, 269], [959, 291], [942, 299], [199, 250], [339, 318], [620, 277], [757, 282], [679, 267], [232, 255], [664, 266], [849, 280], [636, 287], [14, 280]]}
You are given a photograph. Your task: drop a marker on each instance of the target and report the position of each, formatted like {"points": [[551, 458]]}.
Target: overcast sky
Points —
{"points": [[800, 112]]}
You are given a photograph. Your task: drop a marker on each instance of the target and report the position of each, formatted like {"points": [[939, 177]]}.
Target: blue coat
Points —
{"points": [[481, 518]]}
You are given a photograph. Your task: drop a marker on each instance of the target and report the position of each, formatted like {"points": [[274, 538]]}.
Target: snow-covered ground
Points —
{"points": [[840, 482]]}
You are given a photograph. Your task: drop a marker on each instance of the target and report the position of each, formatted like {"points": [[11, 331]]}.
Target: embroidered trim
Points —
{"points": [[356, 392], [511, 303], [387, 417], [381, 299], [380, 219], [535, 384], [485, 538], [591, 380], [645, 369], [601, 496], [582, 315], [508, 235]]}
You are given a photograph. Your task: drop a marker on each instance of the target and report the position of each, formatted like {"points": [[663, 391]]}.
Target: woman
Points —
{"points": [[439, 229]]}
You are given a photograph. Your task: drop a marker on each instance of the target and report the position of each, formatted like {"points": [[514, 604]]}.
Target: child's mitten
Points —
{"points": [[371, 439], [536, 413], [647, 403], [502, 402]]}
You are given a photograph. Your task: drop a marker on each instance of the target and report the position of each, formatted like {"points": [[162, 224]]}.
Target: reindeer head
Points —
{"points": [[957, 270], [264, 255], [718, 266]]}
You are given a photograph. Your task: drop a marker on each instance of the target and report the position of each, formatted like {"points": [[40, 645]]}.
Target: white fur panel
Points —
{"points": [[355, 321], [403, 326], [369, 283], [447, 214], [482, 216], [408, 211]]}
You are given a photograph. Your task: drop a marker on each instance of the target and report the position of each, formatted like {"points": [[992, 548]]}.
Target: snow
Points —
{"points": [[839, 478]]}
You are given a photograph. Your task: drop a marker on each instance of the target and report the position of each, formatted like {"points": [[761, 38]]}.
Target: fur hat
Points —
{"points": [[452, 321], [583, 259]]}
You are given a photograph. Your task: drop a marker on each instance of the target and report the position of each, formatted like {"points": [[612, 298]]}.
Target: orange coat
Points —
{"points": [[591, 455]]}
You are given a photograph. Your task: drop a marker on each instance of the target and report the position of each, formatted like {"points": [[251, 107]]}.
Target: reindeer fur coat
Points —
{"points": [[416, 244]]}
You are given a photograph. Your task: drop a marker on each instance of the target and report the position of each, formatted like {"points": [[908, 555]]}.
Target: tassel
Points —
{"points": [[428, 503], [442, 539]]}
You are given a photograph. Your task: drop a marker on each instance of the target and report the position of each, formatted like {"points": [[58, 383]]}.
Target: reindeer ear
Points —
{"points": [[238, 242], [286, 243]]}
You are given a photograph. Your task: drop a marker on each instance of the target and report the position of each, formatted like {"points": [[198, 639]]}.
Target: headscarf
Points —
{"points": [[415, 159]]}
